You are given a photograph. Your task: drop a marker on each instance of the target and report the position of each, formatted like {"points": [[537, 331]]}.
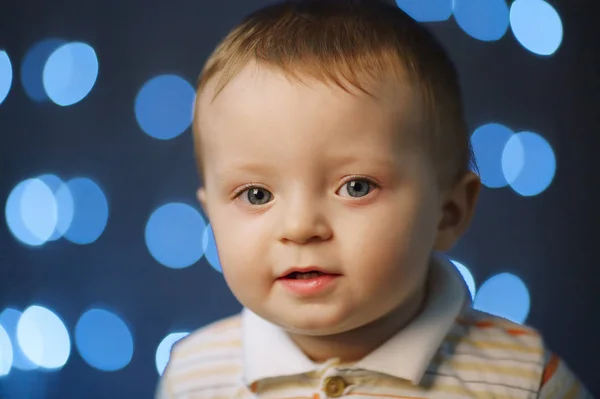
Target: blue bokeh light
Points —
{"points": [[6, 75], [103, 340], [488, 142], [52, 181], [173, 235], [504, 295], [31, 212], [32, 68], [210, 249], [164, 106], [66, 210], [12, 213], [64, 204], [426, 10], [9, 318], [90, 213], [485, 20], [536, 25], [70, 73], [163, 351], [43, 337], [467, 276], [512, 159], [39, 211], [538, 162], [6, 353]]}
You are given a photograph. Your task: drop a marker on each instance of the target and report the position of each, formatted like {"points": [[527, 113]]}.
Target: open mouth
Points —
{"points": [[304, 276], [309, 281]]}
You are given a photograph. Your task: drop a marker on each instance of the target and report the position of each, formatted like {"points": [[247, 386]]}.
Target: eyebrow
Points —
{"points": [[251, 167], [372, 159], [334, 162]]}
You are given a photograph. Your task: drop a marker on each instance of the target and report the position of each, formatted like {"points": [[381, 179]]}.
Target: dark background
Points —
{"points": [[549, 240]]}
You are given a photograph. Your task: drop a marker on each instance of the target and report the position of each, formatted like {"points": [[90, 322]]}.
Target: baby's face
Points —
{"points": [[308, 175]]}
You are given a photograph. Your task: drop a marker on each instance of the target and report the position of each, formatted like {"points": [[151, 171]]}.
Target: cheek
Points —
{"points": [[241, 252], [394, 247]]}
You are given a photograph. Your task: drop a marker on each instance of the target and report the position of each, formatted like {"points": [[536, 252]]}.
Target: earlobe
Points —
{"points": [[457, 211]]}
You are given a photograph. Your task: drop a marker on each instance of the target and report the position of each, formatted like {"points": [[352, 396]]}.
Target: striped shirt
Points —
{"points": [[448, 351]]}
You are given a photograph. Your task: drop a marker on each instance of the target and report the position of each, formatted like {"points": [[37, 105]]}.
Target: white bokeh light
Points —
{"points": [[6, 75], [64, 204], [70, 73], [32, 67], [31, 212], [537, 26], [467, 277], [9, 319], [6, 353], [43, 337], [528, 163], [163, 351]]}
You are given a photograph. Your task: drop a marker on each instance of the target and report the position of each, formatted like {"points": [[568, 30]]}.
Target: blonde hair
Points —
{"points": [[353, 42]]}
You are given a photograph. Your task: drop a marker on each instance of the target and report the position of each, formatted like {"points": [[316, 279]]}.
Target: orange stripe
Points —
{"points": [[477, 323], [550, 369], [519, 331], [483, 324]]}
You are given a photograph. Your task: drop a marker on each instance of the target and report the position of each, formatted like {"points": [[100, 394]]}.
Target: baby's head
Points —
{"points": [[300, 106]]}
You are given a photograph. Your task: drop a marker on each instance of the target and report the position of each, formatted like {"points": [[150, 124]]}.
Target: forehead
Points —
{"points": [[263, 111]]}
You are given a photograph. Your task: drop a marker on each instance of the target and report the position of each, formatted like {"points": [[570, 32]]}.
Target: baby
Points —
{"points": [[336, 169]]}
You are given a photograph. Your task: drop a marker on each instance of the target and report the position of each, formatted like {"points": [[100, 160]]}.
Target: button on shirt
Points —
{"points": [[448, 351], [334, 387]]}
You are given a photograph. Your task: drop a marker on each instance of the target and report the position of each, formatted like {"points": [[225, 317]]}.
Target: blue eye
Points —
{"points": [[358, 188], [257, 195]]}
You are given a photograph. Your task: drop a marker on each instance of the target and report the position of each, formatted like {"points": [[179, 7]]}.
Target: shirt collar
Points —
{"points": [[268, 351]]}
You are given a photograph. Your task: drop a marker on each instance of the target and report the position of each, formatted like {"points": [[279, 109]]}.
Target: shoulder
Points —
{"points": [[209, 358], [224, 334], [479, 332], [481, 323], [500, 355], [514, 355]]}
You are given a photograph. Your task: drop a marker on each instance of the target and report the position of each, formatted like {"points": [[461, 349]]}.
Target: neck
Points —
{"points": [[353, 345]]}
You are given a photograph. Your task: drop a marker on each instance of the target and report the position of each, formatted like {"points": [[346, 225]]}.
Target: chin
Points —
{"points": [[312, 330], [320, 324]]}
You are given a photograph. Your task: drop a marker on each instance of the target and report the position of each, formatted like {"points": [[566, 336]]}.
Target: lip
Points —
{"points": [[305, 269], [315, 286]]}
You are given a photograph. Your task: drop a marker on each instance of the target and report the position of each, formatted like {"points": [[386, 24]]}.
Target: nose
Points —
{"points": [[305, 220]]}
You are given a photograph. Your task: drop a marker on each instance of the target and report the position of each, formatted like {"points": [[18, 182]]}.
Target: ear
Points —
{"points": [[201, 195], [458, 209]]}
